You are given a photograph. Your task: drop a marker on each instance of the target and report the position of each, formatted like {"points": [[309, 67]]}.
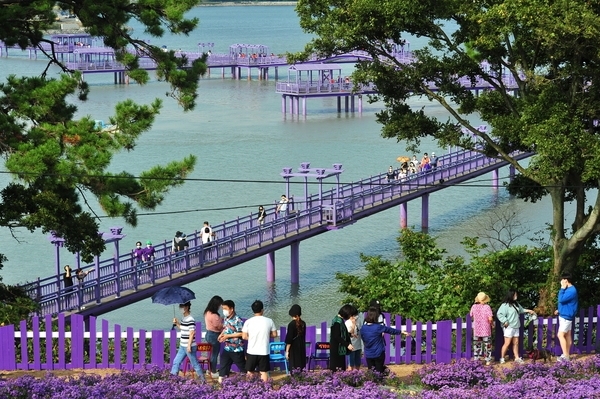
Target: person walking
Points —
{"points": [[391, 175], [68, 278], [568, 303], [354, 324], [187, 342], [262, 214], [258, 330], [149, 252], [295, 339], [339, 339], [231, 338], [282, 206], [138, 253], [433, 161], [508, 314], [483, 320], [207, 234], [214, 327], [374, 345]]}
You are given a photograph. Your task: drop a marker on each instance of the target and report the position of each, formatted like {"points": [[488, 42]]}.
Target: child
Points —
{"points": [[483, 318]]}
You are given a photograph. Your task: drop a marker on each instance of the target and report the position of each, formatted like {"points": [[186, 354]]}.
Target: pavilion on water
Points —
{"points": [[319, 80]]}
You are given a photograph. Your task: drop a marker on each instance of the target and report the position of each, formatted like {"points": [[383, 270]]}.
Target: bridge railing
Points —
{"points": [[114, 275]]}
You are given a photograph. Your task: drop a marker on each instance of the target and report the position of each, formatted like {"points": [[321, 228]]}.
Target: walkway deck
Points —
{"points": [[117, 282]]}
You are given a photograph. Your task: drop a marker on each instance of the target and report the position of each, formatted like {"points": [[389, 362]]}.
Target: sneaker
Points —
{"points": [[519, 360], [502, 361], [476, 358], [562, 358], [215, 375]]}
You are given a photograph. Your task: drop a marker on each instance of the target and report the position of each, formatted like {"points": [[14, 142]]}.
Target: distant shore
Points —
{"points": [[247, 3]]}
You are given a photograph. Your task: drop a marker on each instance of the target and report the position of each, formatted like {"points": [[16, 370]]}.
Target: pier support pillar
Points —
{"points": [[425, 211], [271, 267], [283, 104], [495, 179], [511, 172], [276, 73], [359, 104], [352, 103], [339, 103], [403, 215], [295, 262], [249, 72], [346, 103], [304, 106]]}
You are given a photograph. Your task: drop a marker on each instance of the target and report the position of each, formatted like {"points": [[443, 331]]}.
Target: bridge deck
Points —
{"points": [[117, 283]]}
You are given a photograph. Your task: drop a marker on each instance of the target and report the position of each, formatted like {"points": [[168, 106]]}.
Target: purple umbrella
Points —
{"points": [[173, 295]]}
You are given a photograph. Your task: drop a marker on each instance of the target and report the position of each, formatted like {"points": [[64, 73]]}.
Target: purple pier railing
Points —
{"points": [[117, 281]]}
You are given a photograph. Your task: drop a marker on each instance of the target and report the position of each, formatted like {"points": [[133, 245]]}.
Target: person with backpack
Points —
{"points": [[508, 315], [208, 236]]}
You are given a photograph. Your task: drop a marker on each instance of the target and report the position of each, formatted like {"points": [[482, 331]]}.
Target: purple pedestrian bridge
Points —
{"points": [[118, 281]]}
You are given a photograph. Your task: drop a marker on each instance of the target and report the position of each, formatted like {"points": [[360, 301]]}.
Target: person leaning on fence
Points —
{"points": [[508, 315], [372, 337], [187, 342], [483, 320]]}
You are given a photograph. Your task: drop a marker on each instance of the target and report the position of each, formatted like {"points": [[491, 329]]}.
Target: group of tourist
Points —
{"points": [[412, 166], [229, 330], [508, 316], [348, 336]]}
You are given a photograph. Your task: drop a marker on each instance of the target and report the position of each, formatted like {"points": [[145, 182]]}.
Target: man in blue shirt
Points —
{"points": [[567, 310]]}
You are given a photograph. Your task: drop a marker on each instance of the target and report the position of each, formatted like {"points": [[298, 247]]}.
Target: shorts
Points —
{"points": [[564, 325], [510, 332], [262, 361]]}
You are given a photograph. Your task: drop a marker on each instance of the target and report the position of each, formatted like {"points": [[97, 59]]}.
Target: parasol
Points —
{"points": [[403, 158], [172, 296]]}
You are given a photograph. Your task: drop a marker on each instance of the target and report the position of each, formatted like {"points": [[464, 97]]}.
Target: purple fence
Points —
{"points": [[77, 344]]}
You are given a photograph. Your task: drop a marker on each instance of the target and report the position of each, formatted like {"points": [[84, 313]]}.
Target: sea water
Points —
{"points": [[242, 141]]}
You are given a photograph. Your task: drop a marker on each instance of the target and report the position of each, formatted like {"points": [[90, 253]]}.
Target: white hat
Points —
{"points": [[433, 154]]}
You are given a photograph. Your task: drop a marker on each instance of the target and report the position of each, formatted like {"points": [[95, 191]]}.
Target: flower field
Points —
{"points": [[462, 379]]}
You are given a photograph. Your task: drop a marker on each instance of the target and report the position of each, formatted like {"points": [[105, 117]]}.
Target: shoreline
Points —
{"points": [[247, 3]]}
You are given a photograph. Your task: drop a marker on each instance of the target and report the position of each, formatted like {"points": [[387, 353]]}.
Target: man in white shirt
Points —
{"points": [[258, 331], [282, 206], [207, 233]]}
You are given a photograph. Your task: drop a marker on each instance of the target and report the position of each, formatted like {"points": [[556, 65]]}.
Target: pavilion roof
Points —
{"points": [[314, 67]]}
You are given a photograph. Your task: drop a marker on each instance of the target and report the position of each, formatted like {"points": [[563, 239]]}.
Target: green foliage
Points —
{"points": [[547, 49], [426, 284], [15, 305], [56, 160]]}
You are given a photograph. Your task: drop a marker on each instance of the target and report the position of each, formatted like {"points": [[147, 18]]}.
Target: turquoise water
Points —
{"points": [[239, 133]]}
